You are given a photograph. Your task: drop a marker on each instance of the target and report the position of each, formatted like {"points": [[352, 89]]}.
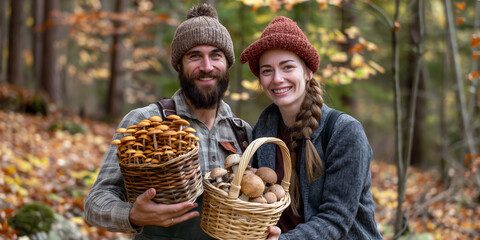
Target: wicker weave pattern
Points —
{"points": [[224, 216], [176, 180]]}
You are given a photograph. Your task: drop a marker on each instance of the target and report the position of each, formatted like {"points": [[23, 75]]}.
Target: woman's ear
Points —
{"points": [[308, 74]]}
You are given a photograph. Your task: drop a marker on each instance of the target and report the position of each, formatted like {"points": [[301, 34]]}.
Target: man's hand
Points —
{"points": [[274, 233], [146, 212]]}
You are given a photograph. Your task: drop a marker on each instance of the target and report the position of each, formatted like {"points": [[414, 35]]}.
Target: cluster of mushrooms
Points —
{"points": [[154, 140], [258, 185]]}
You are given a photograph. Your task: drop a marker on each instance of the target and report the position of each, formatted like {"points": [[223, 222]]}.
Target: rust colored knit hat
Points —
{"points": [[201, 28], [281, 33]]}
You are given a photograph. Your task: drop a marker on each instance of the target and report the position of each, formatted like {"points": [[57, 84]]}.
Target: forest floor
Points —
{"points": [[58, 168]]}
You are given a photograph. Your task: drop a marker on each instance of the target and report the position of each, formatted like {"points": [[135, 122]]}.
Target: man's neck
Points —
{"points": [[207, 116]]}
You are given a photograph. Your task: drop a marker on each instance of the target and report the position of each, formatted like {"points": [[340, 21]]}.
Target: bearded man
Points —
{"points": [[201, 53]]}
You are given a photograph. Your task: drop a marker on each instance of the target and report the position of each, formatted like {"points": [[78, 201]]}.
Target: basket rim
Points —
{"points": [[159, 165]]}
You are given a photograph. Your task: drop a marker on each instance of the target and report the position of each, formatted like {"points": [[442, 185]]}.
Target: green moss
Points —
{"points": [[32, 218]]}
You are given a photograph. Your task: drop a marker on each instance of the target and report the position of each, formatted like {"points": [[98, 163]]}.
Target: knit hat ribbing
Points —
{"points": [[281, 33], [201, 28]]}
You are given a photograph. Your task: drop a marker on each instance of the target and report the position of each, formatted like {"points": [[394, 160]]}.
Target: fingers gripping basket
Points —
{"points": [[176, 180], [224, 216]]}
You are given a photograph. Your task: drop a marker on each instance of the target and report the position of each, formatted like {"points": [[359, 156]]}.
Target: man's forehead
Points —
{"points": [[204, 48]]}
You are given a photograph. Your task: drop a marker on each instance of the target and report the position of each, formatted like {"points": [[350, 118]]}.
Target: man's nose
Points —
{"points": [[206, 65]]}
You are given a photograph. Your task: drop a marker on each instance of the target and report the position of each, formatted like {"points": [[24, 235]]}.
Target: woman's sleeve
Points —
{"points": [[346, 172]]}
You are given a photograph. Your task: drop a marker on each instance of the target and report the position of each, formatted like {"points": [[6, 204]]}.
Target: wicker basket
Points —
{"points": [[176, 180], [224, 216]]}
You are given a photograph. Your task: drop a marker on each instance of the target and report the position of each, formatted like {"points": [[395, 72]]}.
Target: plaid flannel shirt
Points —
{"points": [[106, 205]]}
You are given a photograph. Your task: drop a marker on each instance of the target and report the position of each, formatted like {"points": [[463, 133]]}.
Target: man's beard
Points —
{"points": [[204, 99]]}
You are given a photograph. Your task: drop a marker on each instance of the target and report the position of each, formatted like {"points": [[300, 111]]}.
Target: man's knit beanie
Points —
{"points": [[281, 33], [201, 28]]}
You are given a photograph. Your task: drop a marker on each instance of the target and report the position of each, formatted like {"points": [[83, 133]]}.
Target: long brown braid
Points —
{"points": [[305, 124]]}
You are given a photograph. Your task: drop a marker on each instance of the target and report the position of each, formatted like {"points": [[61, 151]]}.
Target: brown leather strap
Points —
{"points": [[240, 132], [166, 106]]}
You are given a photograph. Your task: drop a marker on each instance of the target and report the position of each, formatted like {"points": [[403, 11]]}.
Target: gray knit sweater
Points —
{"points": [[339, 204]]}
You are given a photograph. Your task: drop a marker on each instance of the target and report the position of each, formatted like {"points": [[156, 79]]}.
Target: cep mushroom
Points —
{"points": [[218, 173], [270, 197], [277, 190], [232, 161], [268, 176], [252, 186], [259, 199]]}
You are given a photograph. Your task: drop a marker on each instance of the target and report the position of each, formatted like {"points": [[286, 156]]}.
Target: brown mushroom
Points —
{"points": [[218, 173], [277, 190], [121, 131], [232, 161], [270, 197], [172, 117], [268, 176], [259, 199], [252, 186]]}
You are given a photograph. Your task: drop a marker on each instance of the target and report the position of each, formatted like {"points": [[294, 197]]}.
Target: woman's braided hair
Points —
{"points": [[305, 124]]}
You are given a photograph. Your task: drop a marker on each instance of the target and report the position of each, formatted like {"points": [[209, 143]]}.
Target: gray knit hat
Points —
{"points": [[201, 28]]}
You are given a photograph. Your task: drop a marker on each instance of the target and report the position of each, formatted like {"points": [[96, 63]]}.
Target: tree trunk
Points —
{"points": [[3, 32], [415, 83], [117, 72], [348, 20], [400, 220], [38, 28], [50, 81], [14, 70], [462, 104]]}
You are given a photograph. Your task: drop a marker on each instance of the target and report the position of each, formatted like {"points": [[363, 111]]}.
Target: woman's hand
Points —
{"points": [[146, 212], [274, 233]]}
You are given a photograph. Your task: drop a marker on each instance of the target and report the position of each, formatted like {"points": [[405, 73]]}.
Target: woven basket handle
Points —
{"points": [[234, 191]]}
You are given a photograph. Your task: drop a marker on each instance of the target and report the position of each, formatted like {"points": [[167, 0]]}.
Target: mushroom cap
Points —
{"points": [[141, 131], [232, 159], [169, 133], [116, 141], [190, 130], [218, 172], [270, 197], [252, 186], [131, 131], [143, 123], [259, 199], [181, 122], [155, 119], [267, 175], [277, 190], [173, 117], [128, 138], [121, 130], [162, 127]]}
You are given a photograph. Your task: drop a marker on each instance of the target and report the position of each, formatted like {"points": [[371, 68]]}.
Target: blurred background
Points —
{"points": [[408, 70]]}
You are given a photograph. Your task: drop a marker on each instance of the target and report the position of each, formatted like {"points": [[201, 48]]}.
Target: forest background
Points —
{"points": [[408, 70]]}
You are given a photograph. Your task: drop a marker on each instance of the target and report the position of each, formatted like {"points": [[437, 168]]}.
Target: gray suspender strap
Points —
{"points": [[328, 128]]}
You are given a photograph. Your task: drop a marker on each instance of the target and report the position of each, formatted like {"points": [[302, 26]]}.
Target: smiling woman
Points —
{"points": [[330, 188]]}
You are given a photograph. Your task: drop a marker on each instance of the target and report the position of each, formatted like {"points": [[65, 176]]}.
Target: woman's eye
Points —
{"points": [[266, 71]]}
